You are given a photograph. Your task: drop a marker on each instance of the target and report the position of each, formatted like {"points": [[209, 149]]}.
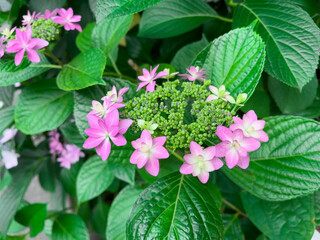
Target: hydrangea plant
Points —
{"points": [[159, 119]]}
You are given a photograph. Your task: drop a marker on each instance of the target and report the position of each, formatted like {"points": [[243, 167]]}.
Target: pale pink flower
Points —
{"points": [[24, 43], [101, 131], [10, 158], [148, 152], [114, 96], [250, 126], [194, 73], [220, 93], [67, 19], [200, 162], [8, 134], [71, 154], [49, 15], [2, 46], [102, 110], [148, 78], [28, 19], [235, 147], [55, 145]]}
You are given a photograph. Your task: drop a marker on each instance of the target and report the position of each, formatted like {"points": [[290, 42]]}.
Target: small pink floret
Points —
{"points": [[67, 19], [148, 78], [69, 155], [194, 73]]}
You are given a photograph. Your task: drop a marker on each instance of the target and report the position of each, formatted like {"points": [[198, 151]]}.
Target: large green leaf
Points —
{"points": [[94, 177], [83, 40], [293, 219], [42, 107], [186, 54], [6, 118], [83, 71], [69, 227], [289, 99], [232, 228], [100, 217], [120, 212], [71, 133], [291, 36], [83, 99], [10, 73], [235, 60], [286, 167], [175, 207], [116, 8], [171, 18], [316, 205], [6, 95], [108, 33], [11, 197], [68, 178]]}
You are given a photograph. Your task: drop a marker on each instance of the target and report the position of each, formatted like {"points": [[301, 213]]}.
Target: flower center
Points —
{"points": [[145, 148], [236, 145]]}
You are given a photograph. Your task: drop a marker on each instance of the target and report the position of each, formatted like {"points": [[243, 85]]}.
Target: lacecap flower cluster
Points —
{"points": [[182, 117]]}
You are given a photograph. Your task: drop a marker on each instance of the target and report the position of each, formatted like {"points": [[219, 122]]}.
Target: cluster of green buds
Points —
{"points": [[45, 29], [181, 111]]}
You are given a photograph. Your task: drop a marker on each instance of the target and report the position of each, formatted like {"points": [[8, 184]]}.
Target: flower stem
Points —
{"points": [[176, 155], [224, 19], [50, 54], [234, 207], [47, 66], [115, 65], [232, 4]]}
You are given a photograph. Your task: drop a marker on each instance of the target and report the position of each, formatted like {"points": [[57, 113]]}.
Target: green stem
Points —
{"points": [[232, 4], [224, 19], [233, 207], [47, 66], [50, 54], [115, 66], [176, 155], [120, 76]]}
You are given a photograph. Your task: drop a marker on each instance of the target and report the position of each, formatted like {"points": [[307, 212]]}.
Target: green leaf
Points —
{"points": [[313, 111], [235, 60], [120, 211], [71, 133], [316, 205], [69, 227], [83, 99], [83, 40], [33, 216], [186, 54], [94, 178], [68, 178], [290, 100], [171, 18], [11, 197], [83, 71], [10, 73], [175, 207], [100, 217], [116, 8], [286, 167], [5, 177], [42, 107], [215, 193], [108, 33], [232, 228], [6, 118], [6, 95], [292, 39], [292, 219], [47, 175], [310, 6]]}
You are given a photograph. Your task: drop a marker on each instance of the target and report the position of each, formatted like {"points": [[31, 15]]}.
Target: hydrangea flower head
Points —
{"points": [[200, 162], [101, 131], [194, 73], [220, 93], [28, 19], [148, 78], [235, 147], [71, 154], [24, 43], [9, 158], [49, 15], [250, 126], [67, 19], [148, 151]]}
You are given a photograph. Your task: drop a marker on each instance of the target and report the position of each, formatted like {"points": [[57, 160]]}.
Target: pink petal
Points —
{"points": [[92, 142], [153, 72], [96, 133], [209, 153], [124, 124], [13, 46], [142, 160], [19, 35], [195, 148], [113, 131], [203, 177], [232, 158], [19, 56], [59, 20], [224, 133], [186, 168], [33, 55], [41, 43], [237, 120], [136, 144], [78, 27], [263, 137], [151, 86], [190, 158], [75, 18], [112, 119], [93, 120], [161, 74], [103, 150], [211, 97], [244, 162], [141, 85], [259, 124], [70, 12], [135, 157], [160, 152], [250, 144], [152, 167], [146, 137], [159, 140], [119, 140], [250, 116], [27, 34], [217, 163], [222, 148]]}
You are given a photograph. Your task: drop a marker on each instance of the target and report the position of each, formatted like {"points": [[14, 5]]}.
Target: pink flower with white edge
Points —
{"points": [[114, 96], [71, 154], [2, 46], [148, 151], [250, 126], [148, 78], [200, 162], [102, 110], [220, 93], [28, 19], [194, 73], [67, 19], [24, 43], [101, 131], [49, 15], [235, 147]]}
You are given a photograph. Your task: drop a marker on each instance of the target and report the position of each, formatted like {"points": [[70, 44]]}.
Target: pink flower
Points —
{"points": [[200, 162], [2, 46], [49, 15], [8, 134], [148, 152], [235, 147], [102, 110], [250, 126], [114, 96], [54, 144], [67, 19], [71, 154], [195, 73], [24, 43], [148, 78], [28, 19], [101, 131]]}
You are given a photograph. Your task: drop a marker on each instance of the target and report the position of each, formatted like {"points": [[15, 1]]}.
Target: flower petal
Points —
{"points": [[244, 162], [203, 177], [195, 148], [186, 168], [217, 163], [33, 55], [232, 158], [19, 56], [119, 140], [92, 142], [209, 153], [124, 124], [103, 150], [152, 167], [224, 133]]}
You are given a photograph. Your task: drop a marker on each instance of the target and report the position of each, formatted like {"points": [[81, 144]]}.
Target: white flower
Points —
{"points": [[8, 134], [150, 126], [10, 159], [220, 93]]}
